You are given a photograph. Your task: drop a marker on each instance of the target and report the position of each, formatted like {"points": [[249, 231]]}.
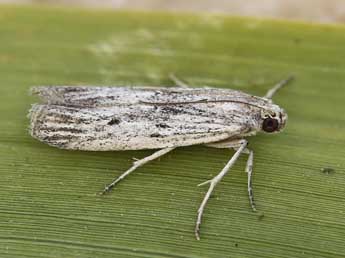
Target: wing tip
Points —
{"points": [[37, 115], [35, 112], [39, 90], [48, 94]]}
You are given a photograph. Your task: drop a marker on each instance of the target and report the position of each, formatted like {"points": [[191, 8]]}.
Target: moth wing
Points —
{"points": [[131, 127], [92, 96]]}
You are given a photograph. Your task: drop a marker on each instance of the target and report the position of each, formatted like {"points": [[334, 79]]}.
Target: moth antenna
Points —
{"points": [[279, 85]]}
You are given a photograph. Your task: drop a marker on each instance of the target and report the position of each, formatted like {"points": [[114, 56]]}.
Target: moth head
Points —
{"points": [[273, 120]]}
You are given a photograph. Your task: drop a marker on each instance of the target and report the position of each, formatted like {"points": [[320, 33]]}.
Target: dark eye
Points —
{"points": [[270, 125]]}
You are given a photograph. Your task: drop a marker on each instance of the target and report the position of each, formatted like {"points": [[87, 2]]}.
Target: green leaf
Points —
{"points": [[49, 202]]}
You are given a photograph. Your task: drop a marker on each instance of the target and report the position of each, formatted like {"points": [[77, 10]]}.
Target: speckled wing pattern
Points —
{"points": [[131, 118]]}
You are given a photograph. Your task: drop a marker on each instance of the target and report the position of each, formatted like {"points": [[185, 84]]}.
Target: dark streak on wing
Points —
{"points": [[199, 102], [84, 96]]}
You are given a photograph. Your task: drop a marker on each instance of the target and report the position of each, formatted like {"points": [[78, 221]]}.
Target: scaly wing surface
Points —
{"points": [[110, 118]]}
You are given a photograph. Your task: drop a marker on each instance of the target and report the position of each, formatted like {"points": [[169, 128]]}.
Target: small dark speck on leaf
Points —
{"points": [[327, 170], [297, 41], [236, 245]]}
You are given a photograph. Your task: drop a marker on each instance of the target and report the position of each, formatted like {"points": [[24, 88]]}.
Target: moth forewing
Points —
{"points": [[133, 118], [110, 118]]}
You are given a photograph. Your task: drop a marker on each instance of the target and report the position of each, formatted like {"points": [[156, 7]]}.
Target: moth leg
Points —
{"points": [[235, 144], [177, 81], [249, 170], [136, 164], [213, 182], [270, 93]]}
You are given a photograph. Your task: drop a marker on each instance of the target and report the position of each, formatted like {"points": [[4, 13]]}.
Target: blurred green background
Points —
{"points": [[49, 202], [328, 11]]}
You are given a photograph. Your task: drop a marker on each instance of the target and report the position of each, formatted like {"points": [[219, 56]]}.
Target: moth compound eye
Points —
{"points": [[270, 125]]}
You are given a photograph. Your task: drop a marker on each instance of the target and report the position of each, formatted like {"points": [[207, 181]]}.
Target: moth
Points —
{"points": [[93, 118]]}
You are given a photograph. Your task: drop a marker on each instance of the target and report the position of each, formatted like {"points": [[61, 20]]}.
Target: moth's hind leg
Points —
{"points": [[136, 164], [177, 81]]}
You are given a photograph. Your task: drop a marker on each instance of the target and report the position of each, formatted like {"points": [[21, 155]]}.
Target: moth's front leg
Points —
{"points": [[235, 144], [240, 145]]}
